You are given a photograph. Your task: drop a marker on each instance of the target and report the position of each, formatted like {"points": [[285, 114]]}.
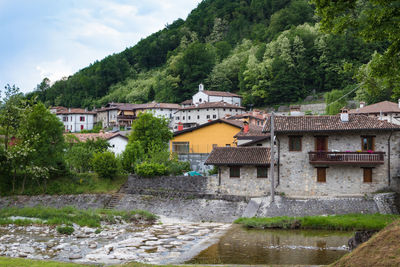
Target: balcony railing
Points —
{"points": [[126, 117], [331, 158]]}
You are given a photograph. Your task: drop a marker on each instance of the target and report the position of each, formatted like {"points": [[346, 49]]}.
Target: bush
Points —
{"points": [[213, 171], [105, 164], [178, 167], [147, 169], [65, 230]]}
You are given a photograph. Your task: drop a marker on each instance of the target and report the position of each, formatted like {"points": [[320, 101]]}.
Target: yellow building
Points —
{"points": [[203, 138]]}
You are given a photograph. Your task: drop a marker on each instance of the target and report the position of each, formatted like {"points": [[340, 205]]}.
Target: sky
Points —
{"points": [[56, 38]]}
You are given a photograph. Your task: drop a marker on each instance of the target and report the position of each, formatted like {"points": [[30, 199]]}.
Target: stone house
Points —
{"points": [[385, 110], [242, 170], [116, 115], [329, 155]]}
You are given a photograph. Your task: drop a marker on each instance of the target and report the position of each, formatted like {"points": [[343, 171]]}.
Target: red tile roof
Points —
{"points": [[255, 156], [287, 124], [187, 102], [74, 111], [83, 137], [384, 106], [220, 104], [254, 131], [220, 93]]}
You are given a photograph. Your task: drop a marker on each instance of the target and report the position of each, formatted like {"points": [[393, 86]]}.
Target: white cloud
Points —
{"points": [[77, 34]]}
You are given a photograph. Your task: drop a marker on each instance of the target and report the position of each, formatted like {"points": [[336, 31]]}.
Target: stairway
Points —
{"points": [[114, 201]]}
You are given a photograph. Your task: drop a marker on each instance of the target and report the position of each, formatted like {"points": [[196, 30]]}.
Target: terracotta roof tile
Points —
{"points": [[256, 156], [187, 102], [384, 106], [220, 104], [220, 93], [254, 131], [286, 124], [238, 124], [83, 137], [74, 111]]}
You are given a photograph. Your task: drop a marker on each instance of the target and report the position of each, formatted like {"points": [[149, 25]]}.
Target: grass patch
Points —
{"points": [[344, 222], [72, 184], [15, 262], [69, 215], [65, 230]]}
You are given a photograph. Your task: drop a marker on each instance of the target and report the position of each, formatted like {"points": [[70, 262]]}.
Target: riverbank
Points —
{"points": [[345, 222], [381, 250]]}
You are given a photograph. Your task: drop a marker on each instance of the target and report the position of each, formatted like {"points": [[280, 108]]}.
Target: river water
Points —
{"points": [[242, 246]]}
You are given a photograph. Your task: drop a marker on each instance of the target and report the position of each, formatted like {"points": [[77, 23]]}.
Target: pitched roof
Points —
{"points": [[157, 105], [287, 124], [187, 102], [256, 156], [219, 104], [74, 111], [251, 114], [235, 123], [384, 106], [83, 137], [220, 93], [254, 131]]}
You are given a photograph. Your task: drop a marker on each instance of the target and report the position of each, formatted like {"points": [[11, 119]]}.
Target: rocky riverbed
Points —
{"points": [[167, 242]]}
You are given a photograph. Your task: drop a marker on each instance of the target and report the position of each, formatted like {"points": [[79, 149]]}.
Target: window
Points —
{"points": [[188, 117], [259, 145], [367, 143], [161, 109], [200, 100], [228, 145], [214, 109], [180, 147], [207, 109], [183, 118], [294, 143], [262, 172], [81, 127], [214, 116], [321, 143], [177, 118], [321, 175], [367, 175], [198, 117], [234, 172], [81, 118], [230, 109], [224, 109], [208, 116], [65, 118]]}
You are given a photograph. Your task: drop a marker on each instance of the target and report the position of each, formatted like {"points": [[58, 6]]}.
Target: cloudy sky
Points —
{"points": [[48, 38]]}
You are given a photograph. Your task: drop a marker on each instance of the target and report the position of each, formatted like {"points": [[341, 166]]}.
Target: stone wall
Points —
{"points": [[196, 161], [299, 178], [84, 201]]}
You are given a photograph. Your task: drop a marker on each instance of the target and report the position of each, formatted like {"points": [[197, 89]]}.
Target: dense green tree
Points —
{"points": [[151, 132]]}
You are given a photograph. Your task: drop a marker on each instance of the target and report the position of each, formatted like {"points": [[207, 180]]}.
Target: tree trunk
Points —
{"points": [[23, 183], [14, 179]]}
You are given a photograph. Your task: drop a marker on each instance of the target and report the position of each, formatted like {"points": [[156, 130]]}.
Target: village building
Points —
{"points": [[255, 117], [385, 110], [215, 96], [195, 144], [328, 156], [195, 115], [164, 110], [75, 119], [117, 141], [116, 115]]}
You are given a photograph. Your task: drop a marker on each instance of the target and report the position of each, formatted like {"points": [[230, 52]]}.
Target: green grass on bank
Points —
{"points": [[331, 222], [76, 183], [16, 262], [69, 215]]}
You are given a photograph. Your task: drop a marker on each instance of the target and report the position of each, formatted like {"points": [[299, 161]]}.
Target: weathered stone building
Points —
{"points": [[323, 156]]}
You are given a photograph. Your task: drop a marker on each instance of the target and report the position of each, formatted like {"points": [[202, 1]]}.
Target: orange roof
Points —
{"points": [[384, 106], [74, 111], [220, 93]]}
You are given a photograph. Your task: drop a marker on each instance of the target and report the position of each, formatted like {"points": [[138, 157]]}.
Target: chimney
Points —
{"points": [[246, 127], [362, 104], [85, 109], [399, 102], [201, 87], [69, 109], [344, 115]]}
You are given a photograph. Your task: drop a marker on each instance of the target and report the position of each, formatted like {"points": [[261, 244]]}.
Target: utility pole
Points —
{"points": [[272, 159]]}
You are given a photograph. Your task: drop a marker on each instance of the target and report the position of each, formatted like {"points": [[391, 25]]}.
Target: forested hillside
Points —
{"points": [[270, 51]]}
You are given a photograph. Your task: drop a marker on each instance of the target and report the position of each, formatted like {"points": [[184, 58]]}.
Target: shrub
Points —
{"points": [[147, 169], [65, 230], [213, 171], [178, 167], [105, 164]]}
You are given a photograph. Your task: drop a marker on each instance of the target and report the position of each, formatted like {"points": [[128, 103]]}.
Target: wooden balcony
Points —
{"points": [[126, 117], [349, 158]]}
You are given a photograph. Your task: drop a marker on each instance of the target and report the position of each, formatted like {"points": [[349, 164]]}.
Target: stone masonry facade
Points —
{"points": [[299, 178]]}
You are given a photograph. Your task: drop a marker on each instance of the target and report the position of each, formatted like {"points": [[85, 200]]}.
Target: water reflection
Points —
{"points": [[241, 246]]}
